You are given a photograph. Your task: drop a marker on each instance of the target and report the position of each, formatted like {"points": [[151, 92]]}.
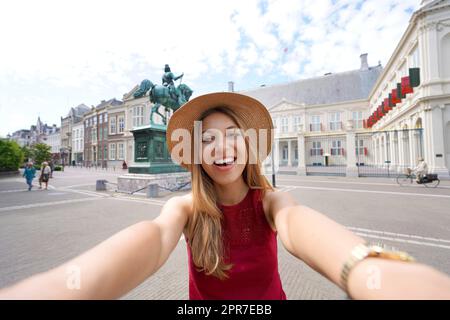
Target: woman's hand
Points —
{"points": [[326, 245]]}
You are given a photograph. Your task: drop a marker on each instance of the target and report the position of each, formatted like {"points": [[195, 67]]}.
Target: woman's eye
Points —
{"points": [[207, 139], [234, 134]]}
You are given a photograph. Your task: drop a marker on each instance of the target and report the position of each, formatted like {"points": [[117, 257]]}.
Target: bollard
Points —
{"points": [[100, 185], [152, 190]]}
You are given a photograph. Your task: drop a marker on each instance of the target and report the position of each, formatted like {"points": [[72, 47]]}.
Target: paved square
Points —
{"points": [[43, 228]]}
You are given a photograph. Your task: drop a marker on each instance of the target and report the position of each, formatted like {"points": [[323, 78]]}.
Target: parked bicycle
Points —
{"points": [[430, 180]]}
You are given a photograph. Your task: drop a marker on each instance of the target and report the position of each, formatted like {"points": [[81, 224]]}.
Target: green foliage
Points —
{"points": [[11, 156], [57, 168], [41, 153], [28, 152]]}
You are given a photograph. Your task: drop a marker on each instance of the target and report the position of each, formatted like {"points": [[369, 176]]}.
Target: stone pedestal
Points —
{"points": [[130, 183], [150, 151]]}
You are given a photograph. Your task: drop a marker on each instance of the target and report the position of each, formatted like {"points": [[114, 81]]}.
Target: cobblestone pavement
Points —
{"points": [[44, 228]]}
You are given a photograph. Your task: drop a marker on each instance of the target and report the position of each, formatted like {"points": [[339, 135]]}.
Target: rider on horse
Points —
{"points": [[168, 80]]}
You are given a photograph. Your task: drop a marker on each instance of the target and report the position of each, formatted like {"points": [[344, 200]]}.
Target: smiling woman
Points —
{"points": [[231, 221]]}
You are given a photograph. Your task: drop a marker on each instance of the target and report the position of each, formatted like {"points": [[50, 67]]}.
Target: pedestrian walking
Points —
{"points": [[46, 171], [29, 174]]}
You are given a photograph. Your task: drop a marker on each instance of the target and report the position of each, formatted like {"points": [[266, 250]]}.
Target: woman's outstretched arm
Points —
{"points": [[326, 245], [115, 266]]}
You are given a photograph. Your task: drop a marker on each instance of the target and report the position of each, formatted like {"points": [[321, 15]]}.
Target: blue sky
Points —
{"points": [[58, 54]]}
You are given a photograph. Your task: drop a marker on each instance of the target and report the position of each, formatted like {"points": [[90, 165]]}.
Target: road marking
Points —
{"points": [[372, 191], [360, 183], [15, 190], [147, 201], [78, 185], [45, 204], [365, 235], [287, 189], [88, 193], [398, 235]]}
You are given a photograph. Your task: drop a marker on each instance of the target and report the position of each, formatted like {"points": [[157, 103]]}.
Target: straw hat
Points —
{"points": [[252, 112]]}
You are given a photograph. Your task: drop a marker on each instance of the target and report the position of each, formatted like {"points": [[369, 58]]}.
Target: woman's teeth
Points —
{"points": [[224, 162]]}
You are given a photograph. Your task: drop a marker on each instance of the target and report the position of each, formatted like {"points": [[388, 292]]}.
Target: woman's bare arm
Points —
{"points": [[326, 245], [115, 266]]}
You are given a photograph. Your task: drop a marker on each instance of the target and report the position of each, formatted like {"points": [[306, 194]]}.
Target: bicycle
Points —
{"points": [[429, 180]]}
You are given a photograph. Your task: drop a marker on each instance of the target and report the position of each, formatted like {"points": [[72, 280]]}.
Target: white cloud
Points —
{"points": [[60, 54]]}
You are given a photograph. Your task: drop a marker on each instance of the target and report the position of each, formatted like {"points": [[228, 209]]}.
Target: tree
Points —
{"points": [[11, 156], [28, 153], [41, 153]]}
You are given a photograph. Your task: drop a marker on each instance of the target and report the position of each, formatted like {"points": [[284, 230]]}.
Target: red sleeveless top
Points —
{"points": [[251, 246]]}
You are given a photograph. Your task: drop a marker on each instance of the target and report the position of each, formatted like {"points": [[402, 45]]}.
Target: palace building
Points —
{"points": [[372, 121]]}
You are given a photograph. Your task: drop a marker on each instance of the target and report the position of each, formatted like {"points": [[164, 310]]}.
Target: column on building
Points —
{"points": [[352, 169], [438, 161], [392, 150], [401, 153], [276, 154], [301, 166], [375, 148], [412, 147], [289, 163]]}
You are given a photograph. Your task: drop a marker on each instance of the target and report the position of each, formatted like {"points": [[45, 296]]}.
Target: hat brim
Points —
{"points": [[252, 112]]}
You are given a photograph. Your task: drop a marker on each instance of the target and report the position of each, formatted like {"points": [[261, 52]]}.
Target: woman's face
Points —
{"points": [[223, 149]]}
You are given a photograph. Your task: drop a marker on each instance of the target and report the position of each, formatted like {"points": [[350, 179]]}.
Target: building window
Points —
{"points": [[414, 61], [336, 148], [357, 119], [138, 116], [121, 124], [94, 121], [112, 151], [100, 118], [106, 117], [285, 153], [105, 152], [275, 124], [360, 149], [121, 150], [86, 122], [105, 133], [335, 121], [284, 125], [316, 149], [112, 125], [297, 123], [94, 135], [315, 123]]}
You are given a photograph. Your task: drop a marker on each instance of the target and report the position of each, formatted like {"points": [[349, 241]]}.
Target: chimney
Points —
{"points": [[364, 63], [230, 86]]}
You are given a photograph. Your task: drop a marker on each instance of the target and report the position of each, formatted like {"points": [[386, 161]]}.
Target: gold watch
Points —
{"points": [[363, 251]]}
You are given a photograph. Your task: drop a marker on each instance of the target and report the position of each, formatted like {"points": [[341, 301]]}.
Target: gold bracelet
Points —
{"points": [[363, 251]]}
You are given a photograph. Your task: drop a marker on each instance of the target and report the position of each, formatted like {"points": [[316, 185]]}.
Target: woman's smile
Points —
{"points": [[225, 165]]}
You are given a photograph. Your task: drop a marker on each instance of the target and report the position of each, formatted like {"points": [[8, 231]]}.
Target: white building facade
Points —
{"points": [[78, 142], [421, 121], [324, 125]]}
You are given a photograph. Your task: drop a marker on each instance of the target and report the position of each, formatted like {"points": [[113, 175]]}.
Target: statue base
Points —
{"points": [[150, 151]]}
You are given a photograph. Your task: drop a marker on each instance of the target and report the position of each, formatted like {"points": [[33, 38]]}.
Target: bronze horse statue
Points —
{"points": [[163, 96]]}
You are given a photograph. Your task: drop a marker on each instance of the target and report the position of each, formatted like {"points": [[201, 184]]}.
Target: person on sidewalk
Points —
{"points": [[46, 171], [29, 174]]}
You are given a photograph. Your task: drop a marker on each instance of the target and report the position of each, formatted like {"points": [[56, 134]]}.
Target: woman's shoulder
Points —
{"points": [[184, 202], [274, 197]]}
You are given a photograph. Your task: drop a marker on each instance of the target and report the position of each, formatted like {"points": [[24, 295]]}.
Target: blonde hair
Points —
{"points": [[205, 227]]}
